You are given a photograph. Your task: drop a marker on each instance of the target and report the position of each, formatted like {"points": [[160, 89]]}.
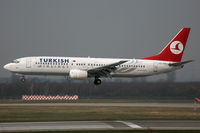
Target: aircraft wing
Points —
{"points": [[180, 63], [104, 71]]}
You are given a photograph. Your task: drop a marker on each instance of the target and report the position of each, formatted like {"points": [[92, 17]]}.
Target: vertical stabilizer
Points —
{"points": [[174, 49]]}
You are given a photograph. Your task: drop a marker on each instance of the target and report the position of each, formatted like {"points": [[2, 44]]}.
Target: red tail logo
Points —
{"points": [[175, 48]]}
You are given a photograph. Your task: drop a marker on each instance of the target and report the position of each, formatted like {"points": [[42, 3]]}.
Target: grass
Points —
{"points": [[7, 101], [121, 131], [79, 113]]}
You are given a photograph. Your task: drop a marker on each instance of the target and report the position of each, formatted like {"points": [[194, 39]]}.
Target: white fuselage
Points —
{"points": [[46, 65], [169, 59]]}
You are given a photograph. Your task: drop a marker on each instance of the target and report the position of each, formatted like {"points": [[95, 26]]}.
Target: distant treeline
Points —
{"points": [[129, 90]]}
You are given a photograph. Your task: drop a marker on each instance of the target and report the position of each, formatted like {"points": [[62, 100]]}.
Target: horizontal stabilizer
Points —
{"points": [[180, 63]]}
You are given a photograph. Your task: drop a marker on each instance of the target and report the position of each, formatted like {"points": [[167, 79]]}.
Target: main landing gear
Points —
{"points": [[97, 81]]}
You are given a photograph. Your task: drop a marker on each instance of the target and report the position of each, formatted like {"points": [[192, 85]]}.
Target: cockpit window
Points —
{"points": [[15, 61]]}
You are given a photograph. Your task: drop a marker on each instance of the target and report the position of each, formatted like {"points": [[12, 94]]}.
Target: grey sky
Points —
{"points": [[98, 28]]}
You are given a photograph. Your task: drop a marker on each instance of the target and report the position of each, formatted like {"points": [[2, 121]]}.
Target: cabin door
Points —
{"points": [[28, 63], [155, 67]]}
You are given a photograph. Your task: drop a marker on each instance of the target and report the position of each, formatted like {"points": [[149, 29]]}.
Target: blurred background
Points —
{"points": [[98, 28]]}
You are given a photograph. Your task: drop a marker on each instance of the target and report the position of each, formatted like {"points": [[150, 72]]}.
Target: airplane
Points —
{"points": [[80, 68]]}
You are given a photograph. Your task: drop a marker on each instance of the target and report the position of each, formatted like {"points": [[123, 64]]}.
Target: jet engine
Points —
{"points": [[78, 74]]}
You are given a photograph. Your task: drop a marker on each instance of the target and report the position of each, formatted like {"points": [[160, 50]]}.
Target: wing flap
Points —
{"points": [[104, 71]]}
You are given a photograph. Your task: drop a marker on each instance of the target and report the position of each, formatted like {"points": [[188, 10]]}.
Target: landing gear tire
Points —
{"points": [[22, 79], [97, 81]]}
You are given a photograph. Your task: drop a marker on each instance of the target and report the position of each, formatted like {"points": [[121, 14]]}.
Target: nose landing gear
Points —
{"points": [[22, 79], [97, 81]]}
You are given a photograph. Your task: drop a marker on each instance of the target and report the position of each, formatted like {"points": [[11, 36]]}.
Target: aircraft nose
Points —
{"points": [[7, 67]]}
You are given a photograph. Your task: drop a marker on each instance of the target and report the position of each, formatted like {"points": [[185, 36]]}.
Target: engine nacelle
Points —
{"points": [[78, 74]]}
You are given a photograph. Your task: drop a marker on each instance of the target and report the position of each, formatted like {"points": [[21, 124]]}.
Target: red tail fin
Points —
{"points": [[175, 48]]}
